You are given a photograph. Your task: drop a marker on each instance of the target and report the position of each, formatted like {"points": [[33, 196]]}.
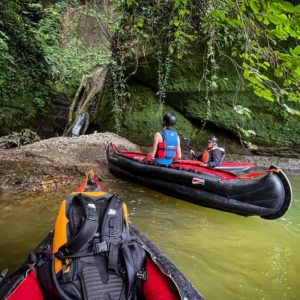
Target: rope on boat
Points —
{"points": [[257, 174]]}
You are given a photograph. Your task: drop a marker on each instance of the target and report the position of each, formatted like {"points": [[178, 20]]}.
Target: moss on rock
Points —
{"points": [[186, 93], [142, 115], [186, 97]]}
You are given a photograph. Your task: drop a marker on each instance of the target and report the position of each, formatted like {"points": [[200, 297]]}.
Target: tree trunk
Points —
{"points": [[87, 95], [90, 91]]}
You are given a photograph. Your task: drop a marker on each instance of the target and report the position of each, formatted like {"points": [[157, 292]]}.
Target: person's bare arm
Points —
{"points": [[178, 150], [151, 154], [157, 138]]}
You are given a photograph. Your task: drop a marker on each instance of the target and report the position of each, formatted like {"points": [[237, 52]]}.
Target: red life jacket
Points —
{"points": [[161, 147]]}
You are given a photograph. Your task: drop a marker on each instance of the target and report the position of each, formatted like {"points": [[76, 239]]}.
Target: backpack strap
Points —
{"points": [[87, 231], [113, 231], [134, 257], [112, 224]]}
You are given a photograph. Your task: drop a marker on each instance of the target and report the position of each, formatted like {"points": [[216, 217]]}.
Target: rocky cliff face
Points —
{"points": [[186, 98], [198, 115]]}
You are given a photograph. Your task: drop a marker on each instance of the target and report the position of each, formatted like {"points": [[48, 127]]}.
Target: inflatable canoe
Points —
{"points": [[162, 279], [267, 193], [226, 166]]}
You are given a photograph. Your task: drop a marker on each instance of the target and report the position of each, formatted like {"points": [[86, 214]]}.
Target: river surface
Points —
{"points": [[225, 256]]}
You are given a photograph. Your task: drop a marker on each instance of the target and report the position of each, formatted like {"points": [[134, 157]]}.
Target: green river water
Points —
{"points": [[225, 256]]}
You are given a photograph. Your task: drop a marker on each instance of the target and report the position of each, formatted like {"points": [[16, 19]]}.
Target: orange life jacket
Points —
{"points": [[205, 157], [206, 154]]}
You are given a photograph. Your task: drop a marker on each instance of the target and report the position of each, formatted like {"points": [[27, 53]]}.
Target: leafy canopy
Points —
{"points": [[260, 37]]}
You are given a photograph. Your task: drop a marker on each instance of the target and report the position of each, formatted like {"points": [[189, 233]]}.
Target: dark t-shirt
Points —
{"points": [[215, 158]]}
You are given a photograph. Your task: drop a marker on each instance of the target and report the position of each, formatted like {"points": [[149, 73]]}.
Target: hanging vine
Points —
{"points": [[118, 84], [233, 30], [164, 28], [164, 68], [210, 71]]}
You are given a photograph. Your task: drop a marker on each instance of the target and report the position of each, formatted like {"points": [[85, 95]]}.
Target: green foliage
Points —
{"points": [[159, 27], [40, 50], [39, 56], [266, 34], [68, 57], [23, 68], [259, 37], [243, 111]]}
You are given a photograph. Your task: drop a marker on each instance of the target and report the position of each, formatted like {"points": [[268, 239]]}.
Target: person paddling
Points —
{"points": [[212, 156], [166, 144]]}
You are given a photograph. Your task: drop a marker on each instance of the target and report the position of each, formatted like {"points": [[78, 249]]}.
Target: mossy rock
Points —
{"points": [[186, 98], [186, 94], [141, 117]]}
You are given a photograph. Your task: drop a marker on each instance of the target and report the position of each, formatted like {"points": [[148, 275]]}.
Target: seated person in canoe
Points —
{"points": [[212, 156], [166, 144]]}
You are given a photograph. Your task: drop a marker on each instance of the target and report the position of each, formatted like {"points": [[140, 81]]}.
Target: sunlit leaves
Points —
{"points": [[270, 54], [297, 50], [291, 110], [264, 93], [242, 111]]}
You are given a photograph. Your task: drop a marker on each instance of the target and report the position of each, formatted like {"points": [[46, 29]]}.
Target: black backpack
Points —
{"points": [[93, 255]]}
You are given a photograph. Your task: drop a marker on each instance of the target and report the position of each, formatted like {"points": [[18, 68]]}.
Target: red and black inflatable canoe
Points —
{"points": [[164, 280], [225, 166], [266, 193]]}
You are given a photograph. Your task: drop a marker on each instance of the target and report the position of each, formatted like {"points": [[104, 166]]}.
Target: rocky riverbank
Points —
{"points": [[59, 161]]}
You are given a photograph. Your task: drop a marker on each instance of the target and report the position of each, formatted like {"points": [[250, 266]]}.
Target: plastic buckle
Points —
{"points": [[63, 253], [142, 275], [100, 247], [113, 234], [60, 255]]}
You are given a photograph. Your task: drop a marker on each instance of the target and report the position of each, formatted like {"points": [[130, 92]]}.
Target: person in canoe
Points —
{"points": [[212, 156], [166, 144]]}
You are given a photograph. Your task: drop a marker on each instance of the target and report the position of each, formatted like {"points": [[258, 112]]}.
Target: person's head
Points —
{"points": [[169, 120], [212, 141]]}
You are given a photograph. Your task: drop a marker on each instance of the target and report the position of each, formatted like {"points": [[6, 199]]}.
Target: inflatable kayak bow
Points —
{"points": [[267, 193]]}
